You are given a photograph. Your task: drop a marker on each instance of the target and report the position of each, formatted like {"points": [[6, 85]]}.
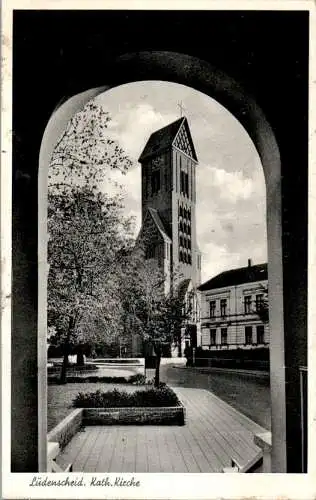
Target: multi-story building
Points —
{"points": [[234, 309]]}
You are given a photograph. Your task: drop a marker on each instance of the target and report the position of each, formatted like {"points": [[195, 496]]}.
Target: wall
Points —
{"points": [[236, 320], [272, 68]]}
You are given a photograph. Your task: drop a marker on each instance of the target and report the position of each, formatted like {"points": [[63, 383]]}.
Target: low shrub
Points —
{"points": [[252, 354], [242, 364], [137, 379], [153, 397], [152, 382], [247, 359]]}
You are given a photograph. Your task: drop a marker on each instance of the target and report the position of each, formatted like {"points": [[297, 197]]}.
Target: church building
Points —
{"points": [[168, 173]]}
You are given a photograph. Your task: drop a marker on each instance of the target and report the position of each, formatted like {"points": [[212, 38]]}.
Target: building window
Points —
{"points": [[248, 334], [155, 181], [223, 305], [247, 304], [260, 334], [259, 302], [184, 183], [224, 336], [180, 256], [212, 308], [213, 336], [181, 179], [189, 259]]}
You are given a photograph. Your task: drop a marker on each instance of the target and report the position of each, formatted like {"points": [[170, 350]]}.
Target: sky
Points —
{"points": [[231, 206]]}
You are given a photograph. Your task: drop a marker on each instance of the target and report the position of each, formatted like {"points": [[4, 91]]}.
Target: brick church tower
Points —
{"points": [[168, 164]]}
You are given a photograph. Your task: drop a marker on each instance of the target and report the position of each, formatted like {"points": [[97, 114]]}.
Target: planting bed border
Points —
{"points": [[164, 415], [67, 428]]}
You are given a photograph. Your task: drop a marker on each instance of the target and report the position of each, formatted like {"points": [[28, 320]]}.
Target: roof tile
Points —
{"points": [[238, 276]]}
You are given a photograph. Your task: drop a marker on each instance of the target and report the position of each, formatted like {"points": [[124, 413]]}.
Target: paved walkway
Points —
{"points": [[214, 434], [249, 395], [215, 369]]}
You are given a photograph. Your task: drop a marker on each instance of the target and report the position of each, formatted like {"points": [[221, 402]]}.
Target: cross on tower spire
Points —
{"points": [[181, 107]]}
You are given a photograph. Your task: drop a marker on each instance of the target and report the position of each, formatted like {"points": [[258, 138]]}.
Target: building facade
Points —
{"points": [[234, 309], [168, 229]]}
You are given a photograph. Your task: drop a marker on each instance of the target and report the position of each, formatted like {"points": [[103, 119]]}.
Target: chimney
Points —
{"points": [[249, 263]]}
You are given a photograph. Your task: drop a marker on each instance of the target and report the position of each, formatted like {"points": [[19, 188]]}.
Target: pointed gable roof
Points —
{"points": [[157, 220], [165, 137], [154, 215]]}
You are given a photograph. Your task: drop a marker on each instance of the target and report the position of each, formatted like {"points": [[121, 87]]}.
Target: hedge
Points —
{"points": [[149, 398], [248, 359], [246, 364], [260, 353]]}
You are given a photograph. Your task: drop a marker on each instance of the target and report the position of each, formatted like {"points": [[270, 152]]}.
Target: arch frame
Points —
{"points": [[202, 76]]}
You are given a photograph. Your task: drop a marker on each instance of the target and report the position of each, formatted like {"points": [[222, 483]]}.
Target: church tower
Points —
{"points": [[168, 164]]}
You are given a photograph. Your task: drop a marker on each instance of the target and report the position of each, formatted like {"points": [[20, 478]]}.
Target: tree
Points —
{"points": [[86, 231], [85, 154], [155, 316]]}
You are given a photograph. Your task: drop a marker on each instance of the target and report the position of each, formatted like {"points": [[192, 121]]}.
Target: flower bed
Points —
{"points": [[154, 406], [153, 397]]}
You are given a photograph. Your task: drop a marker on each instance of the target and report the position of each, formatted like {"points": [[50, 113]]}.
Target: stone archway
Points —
{"points": [[201, 76]]}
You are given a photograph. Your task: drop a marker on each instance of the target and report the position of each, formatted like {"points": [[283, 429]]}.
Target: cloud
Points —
{"points": [[229, 186], [231, 211], [133, 125], [216, 259], [228, 227], [231, 219]]}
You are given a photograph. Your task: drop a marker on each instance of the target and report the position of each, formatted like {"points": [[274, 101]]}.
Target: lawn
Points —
{"points": [[60, 397]]}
